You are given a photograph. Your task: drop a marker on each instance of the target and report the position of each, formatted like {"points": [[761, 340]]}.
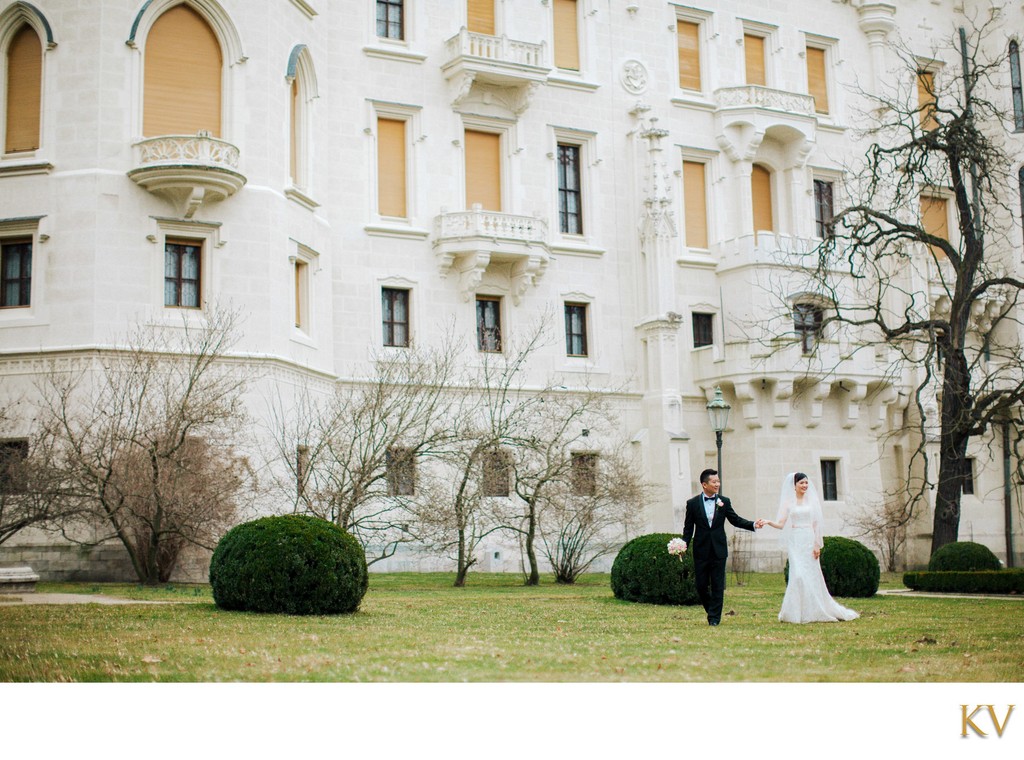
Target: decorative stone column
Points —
{"points": [[877, 20]]}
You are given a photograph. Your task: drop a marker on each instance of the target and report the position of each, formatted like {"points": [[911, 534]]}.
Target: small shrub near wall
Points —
{"points": [[644, 571], [850, 568], [294, 564], [963, 555], [967, 582]]}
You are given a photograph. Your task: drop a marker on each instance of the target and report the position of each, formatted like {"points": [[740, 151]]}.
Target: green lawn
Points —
{"points": [[418, 628]]}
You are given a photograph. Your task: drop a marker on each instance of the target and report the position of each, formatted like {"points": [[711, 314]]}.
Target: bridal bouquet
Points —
{"points": [[677, 547]]}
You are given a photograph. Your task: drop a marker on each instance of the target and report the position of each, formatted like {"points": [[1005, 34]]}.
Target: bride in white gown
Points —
{"points": [[799, 518]]}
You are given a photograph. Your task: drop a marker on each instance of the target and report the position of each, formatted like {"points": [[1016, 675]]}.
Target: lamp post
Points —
{"points": [[718, 413]]}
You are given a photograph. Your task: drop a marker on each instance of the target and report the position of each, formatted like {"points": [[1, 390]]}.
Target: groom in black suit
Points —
{"points": [[706, 514]]}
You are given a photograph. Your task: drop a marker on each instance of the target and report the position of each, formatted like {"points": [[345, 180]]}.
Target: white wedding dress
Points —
{"points": [[807, 599]]}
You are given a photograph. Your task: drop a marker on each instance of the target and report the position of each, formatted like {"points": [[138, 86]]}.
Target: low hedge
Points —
{"points": [[967, 582], [644, 571]]}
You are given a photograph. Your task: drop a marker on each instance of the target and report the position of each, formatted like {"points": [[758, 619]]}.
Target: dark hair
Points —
{"points": [[798, 476], [707, 474]]}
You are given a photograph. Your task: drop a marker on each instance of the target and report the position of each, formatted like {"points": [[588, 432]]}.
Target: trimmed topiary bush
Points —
{"points": [[963, 555], [1010, 581], [849, 567], [295, 564], [644, 571]]}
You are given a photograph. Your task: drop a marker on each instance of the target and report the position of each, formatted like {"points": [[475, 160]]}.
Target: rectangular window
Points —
{"points": [[12, 466], [390, 19], [817, 79], [576, 329], [584, 474], [926, 100], [830, 479], [301, 295], [182, 263], [394, 306], [570, 194], [753, 55], [695, 204], [15, 273], [567, 45], [488, 324], [935, 221], [968, 486], [391, 191], [823, 208], [496, 473], [807, 320], [703, 329], [483, 170], [400, 467], [688, 39], [761, 195]]}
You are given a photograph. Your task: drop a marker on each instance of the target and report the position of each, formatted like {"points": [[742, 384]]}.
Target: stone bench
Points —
{"points": [[17, 579]]}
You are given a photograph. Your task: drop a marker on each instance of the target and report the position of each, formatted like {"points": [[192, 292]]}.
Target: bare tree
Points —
{"points": [[592, 513], [28, 482], [885, 529], [354, 455], [143, 441], [946, 304]]}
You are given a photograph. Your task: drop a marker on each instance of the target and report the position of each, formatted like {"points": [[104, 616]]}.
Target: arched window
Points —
{"points": [[24, 91], [183, 72], [302, 92], [1015, 86], [761, 198]]}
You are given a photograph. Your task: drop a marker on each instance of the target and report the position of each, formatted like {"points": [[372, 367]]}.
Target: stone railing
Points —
{"points": [[497, 49], [755, 96], [489, 224], [198, 149]]}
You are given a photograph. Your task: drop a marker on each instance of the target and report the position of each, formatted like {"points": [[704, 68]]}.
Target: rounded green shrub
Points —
{"points": [[295, 564], [644, 571], [849, 568], [963, 555]]}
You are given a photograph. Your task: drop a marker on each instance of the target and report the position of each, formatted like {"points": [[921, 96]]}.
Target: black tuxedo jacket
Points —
{"points": [[710, 540]]}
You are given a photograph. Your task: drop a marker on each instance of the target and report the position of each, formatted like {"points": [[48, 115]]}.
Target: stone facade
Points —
{"points": [[99, 202]]}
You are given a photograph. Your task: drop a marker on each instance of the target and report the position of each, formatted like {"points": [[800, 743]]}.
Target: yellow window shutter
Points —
{"points": [[483, 170], [567, 44], [934, 220], [753, 52], [480, 16], [24, 88], [926, 100], [688, 37], [391, 191], [696, 205], [761, 194], [183, 76], [817, 83]]}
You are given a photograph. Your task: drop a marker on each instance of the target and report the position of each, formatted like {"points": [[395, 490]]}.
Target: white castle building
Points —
{"points": [[330, 167]]}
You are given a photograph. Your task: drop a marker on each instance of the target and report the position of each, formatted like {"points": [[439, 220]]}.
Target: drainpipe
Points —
{"points": [[1007, 501]]}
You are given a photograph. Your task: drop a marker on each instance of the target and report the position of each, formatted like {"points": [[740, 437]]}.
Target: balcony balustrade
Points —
{"points": [[188, 170], [468, 242], [496, 62]]}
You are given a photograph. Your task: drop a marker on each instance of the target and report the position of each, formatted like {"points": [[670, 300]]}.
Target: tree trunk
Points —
{"points": [[953, 441], [533, 579]]}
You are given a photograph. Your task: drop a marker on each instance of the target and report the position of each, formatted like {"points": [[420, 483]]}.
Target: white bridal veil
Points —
{"points": [[787, 501]]}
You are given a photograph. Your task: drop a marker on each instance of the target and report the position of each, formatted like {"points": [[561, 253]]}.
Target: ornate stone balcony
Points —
{"points": [[745, 115], [765, 249], [468, 242], [188, 170], [497, 63]]}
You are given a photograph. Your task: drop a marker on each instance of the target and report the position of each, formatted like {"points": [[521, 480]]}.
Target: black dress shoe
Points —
{"points": [[712, 622]]}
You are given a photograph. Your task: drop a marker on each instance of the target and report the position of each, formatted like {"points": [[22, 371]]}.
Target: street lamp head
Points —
{"points": [[718, 411]]}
